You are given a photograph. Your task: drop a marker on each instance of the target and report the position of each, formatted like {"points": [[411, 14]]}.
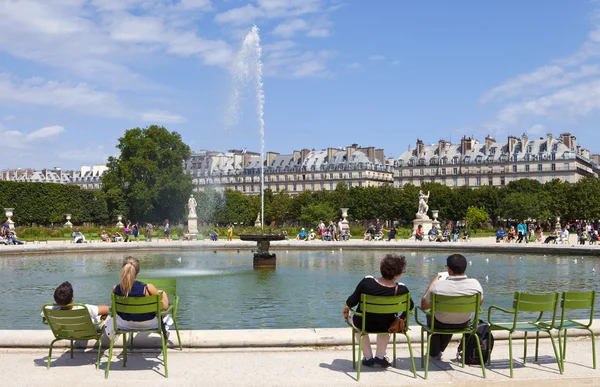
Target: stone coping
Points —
{"points": [[243, 338], [484, 244]]}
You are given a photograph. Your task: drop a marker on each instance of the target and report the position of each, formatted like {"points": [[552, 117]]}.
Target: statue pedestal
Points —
{"points": [[426, 225], [345, 225], [193, 224]]}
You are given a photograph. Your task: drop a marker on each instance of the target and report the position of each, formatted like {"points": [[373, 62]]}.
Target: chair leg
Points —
{"points": [[99, 341], [510, 354], [164, 350], [489, 350], [110, 350], [480, 355], [394, 350], [71, 349], [178, 337], [360, 341], [464, 353], [427, 355], [525, 349], [537, 345], [353, 351], [563, 352], [412, 359], [593, 348], [50, 353], [556, 354], [125, 349], [422, 348]]}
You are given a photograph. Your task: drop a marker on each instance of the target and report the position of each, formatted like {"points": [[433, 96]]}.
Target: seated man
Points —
{"points": [[445, 236], [466, 235], [456, 284], [12, 238], [392, 234], [552, 237], [563, 237], [117, 237], [311, 235], [63, 296], [346, 235], [455, 234], [582, 237], [214, 236], [500, 234], [187, 236], [78, 236], [511, 235], [433, 234], [301, 235]]}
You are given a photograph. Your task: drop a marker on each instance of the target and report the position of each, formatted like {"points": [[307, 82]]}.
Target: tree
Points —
{"points": [[476, 216], [312, 213], [147, 181]]}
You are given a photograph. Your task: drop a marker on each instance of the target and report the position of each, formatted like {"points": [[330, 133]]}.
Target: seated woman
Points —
{"points": [[433, 234], [117, 237], [552, 237], [392, 267], [512, 234], [130, 287], [312, 235], [104, 236], [539, 235], [455, 233], [214, 236], [301, 235]]}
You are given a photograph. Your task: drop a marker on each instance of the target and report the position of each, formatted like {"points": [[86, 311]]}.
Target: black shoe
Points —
{"points": [[385, 363], [368, 363]]}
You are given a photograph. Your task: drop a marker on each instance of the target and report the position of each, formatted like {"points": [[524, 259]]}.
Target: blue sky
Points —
{"points": [[74, 74]]}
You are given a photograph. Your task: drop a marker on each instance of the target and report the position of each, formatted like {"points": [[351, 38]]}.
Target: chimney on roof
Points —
{"points": [[441, 147], [489, 141], [419, 147], [466, 144], [296, 156], [524, 141], [566, 139], [512, 142], [270, 157], [330, 153], [305, 153], [548, 142], [380, 155]]}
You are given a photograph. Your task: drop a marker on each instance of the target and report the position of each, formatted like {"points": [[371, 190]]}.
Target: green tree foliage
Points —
{"points": [[312, 213], [146, 181], [476, 217], [521, 206], [47, 203]]}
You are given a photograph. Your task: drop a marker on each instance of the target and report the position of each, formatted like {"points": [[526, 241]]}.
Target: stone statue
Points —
{"points": [[192, 206], [423, 206]]}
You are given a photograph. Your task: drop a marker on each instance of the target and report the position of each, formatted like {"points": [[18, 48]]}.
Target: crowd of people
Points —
{"points": [[8, 235]]}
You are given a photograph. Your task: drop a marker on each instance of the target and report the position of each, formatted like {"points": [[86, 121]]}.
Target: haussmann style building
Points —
{"points": [[494, 163]]}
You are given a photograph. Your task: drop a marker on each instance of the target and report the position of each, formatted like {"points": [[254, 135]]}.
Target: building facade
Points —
{"points": [[297, 172], [494, 163], [88, 177]]}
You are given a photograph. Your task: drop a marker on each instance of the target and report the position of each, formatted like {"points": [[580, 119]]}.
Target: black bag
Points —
{"points": [[472, 355]]}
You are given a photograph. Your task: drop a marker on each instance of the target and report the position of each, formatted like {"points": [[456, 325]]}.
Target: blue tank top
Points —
{"points": [[137, 290]]}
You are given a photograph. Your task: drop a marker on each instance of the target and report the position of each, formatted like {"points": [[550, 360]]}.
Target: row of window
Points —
{"points": [[475, 181], [303, 177], [478, 170], [567, 155], [294, 187]]}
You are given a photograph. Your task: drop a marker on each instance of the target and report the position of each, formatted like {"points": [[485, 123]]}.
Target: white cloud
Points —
{"points": [[243, 15], [563, 89], [296, 63], [86, 156], [377, 57], [536, 129], [162, 117], [354, 65], [318, 33], [290, 28], [19, 140], [48, 131], [395, 62]]}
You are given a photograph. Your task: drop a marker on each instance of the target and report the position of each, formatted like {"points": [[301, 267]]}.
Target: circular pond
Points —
{"points": [[220, 290]]}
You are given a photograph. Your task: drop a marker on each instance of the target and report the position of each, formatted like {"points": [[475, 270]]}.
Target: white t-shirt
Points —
{"points": [[92, 309], [454, 286]]}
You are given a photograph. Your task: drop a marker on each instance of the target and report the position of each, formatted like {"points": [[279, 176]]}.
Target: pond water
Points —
{"points": [[221, 290]]}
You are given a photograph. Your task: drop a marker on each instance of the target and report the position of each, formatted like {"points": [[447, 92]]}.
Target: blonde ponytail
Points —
{"points": [[129, 270]]}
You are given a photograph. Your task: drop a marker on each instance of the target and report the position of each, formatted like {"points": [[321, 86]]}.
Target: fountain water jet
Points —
{"points": [[247, 70]]}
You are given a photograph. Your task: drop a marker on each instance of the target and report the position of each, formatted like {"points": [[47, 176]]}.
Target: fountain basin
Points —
{"points": [[262, 258]]}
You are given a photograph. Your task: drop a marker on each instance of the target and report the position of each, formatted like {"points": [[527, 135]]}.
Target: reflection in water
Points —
{"points": [[222, 291]]}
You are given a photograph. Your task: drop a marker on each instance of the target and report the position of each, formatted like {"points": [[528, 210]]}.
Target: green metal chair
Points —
{"points": [[169, 286], [136, 305], [450, 304], [575, 301], [539, 304], [72, 324], [381, 305]]}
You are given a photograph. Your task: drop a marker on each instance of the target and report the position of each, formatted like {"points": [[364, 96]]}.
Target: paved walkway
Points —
{"points": [[302, 366]]}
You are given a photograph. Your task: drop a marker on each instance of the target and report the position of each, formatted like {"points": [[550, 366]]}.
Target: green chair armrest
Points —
{"points": [[352, 312], [503, 310], [425, 312]]}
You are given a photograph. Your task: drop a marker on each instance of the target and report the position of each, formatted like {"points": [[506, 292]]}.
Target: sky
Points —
{"points": [[75, 74]]}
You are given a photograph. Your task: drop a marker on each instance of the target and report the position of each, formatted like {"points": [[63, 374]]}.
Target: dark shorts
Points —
{"points": [[167, 231]]}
